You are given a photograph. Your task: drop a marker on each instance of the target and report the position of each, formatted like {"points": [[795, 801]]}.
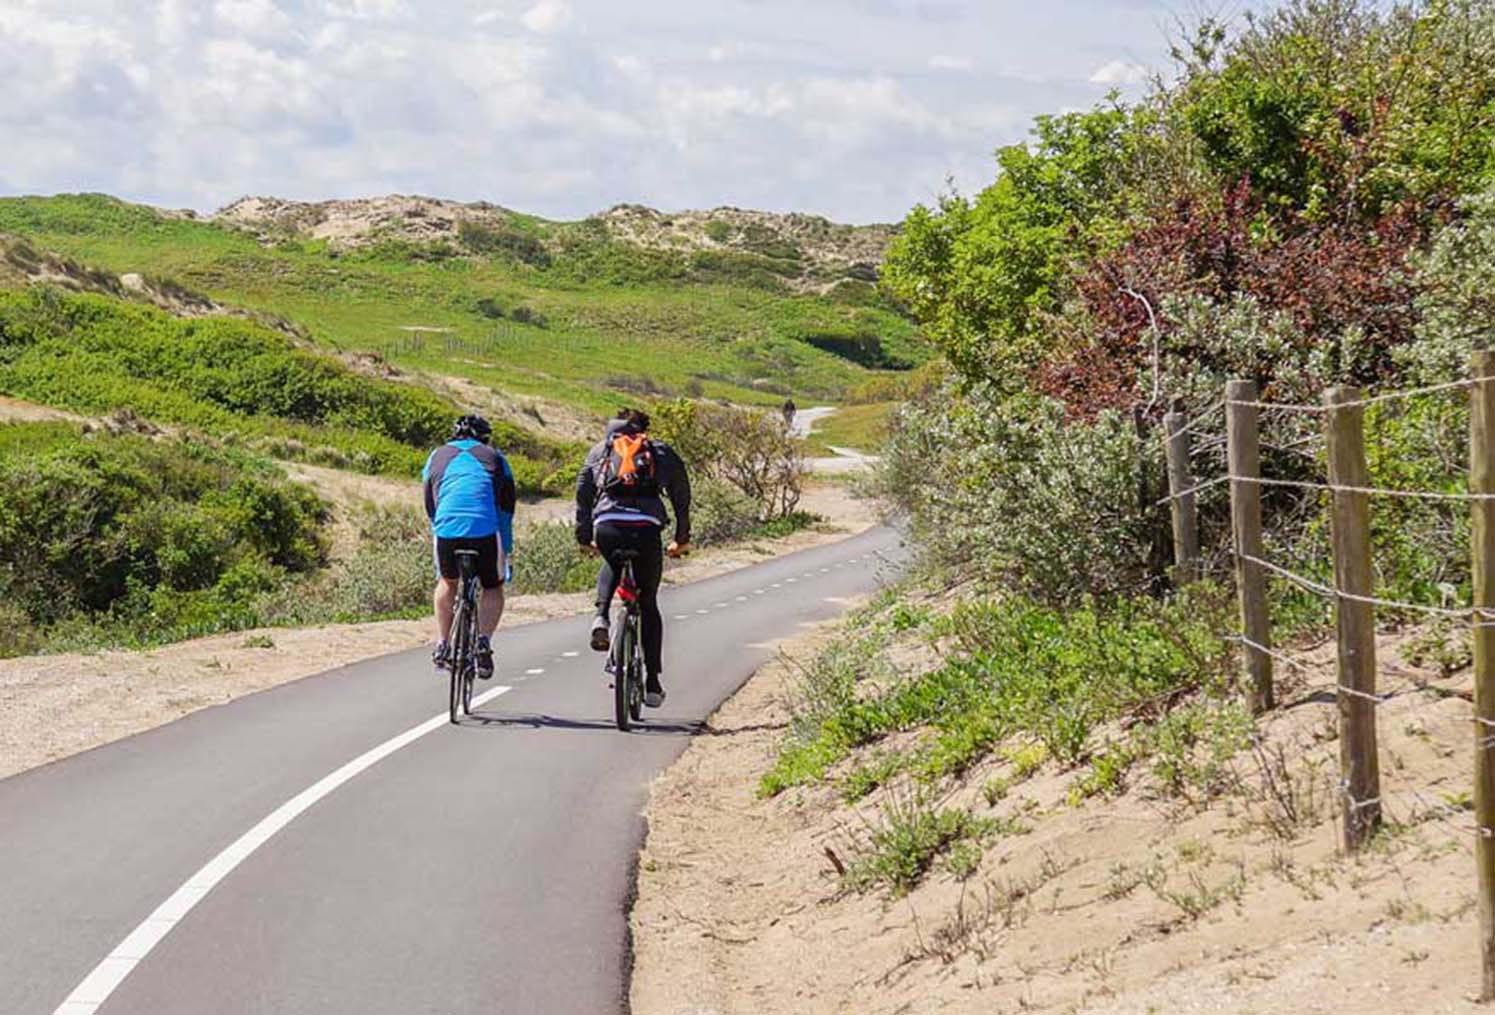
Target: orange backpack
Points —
{"points": [[628, 468]]}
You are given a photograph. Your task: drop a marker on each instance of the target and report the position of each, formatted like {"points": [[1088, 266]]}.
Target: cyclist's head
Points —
{"points": [[472, 428], [636, 419]]}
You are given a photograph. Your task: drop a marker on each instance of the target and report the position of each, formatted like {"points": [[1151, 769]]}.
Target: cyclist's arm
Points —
{"points": [[506, 499], [677, 483], [428, 488], [586, 497]]}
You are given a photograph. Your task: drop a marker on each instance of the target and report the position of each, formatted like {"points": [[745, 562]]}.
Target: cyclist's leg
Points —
{"points": [[610, 539], [490, 575], [445, 594], [647, 571]]}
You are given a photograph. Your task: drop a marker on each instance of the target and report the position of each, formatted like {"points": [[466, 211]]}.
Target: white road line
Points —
{"points": [[776, 585], [534, 672], [825, 570], [720, 606], [703, 611], [569, 655], [682, 616], [757, 592], [118, 964], [790, 581], [741, 599]]}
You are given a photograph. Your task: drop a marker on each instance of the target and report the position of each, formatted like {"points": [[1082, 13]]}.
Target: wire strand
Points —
{"points": [[1358, 402]]}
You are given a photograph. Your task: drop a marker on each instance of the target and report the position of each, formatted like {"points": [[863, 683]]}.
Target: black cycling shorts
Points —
{"points": [[490, 558]]}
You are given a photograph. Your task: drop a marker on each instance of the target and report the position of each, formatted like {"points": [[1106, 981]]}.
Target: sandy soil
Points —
{"points": [[1142, 904], [56, 705], [29, 412]]}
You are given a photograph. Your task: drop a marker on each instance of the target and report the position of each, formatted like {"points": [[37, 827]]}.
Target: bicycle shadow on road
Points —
{"points": [[534, 720]]}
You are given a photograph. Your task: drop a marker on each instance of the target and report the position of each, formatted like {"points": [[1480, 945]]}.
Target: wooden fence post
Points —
{"points": [[1482, 481], [1354, 618], [1243, 450], [1185, 508]]}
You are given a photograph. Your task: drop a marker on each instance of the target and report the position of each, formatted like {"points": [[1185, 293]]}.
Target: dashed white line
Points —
{"points": [[106, 977], [790, 581], [569, 655], [682, 616], [534, 672], [703, 611], [776, 585], [742, 599], [720, 606]]}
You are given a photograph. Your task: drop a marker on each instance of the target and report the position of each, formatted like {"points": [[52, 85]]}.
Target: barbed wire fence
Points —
{"points": [[1350, 592]]}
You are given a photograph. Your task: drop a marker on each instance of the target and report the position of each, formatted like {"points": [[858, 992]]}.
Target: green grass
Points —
{"points": [[1017, 671], [859, 427], [233, 381], [607, 310]]}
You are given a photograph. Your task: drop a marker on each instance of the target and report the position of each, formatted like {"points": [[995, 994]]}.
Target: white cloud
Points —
{"points": [[547, 16], [944, 61], [675, 103], [368, 10], [1119, 72], [257, 18]]}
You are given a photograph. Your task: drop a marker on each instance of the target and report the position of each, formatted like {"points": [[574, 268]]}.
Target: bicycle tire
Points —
{"points": [[635, 675], [469, 672], [622, 677], [459, 661]]}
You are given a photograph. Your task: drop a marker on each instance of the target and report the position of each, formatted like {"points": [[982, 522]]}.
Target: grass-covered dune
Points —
{"points": [[234, 381], [567, 311]]}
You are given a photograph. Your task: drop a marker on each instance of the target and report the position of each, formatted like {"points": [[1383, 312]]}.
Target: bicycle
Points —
{"points": [[625, 656], [463, 638]]}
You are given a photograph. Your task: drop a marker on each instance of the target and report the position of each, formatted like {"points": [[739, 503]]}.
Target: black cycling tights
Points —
{"points": [[648, 569]]}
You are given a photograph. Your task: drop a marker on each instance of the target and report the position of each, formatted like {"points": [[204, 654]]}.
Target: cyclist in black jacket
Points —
{"points": [[620, 493]]}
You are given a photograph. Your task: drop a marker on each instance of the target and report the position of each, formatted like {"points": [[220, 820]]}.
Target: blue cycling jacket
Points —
{"points": [[470, 492]]}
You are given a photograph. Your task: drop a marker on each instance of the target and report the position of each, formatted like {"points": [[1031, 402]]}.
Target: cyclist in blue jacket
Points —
{"points": [[470, 498]]}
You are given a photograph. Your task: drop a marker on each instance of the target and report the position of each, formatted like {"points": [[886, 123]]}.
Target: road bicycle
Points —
{"points": [[625, 656], [463, 638]]}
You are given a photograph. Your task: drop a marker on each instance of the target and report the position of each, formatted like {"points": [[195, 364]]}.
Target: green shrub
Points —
{"points": [[96, 519], [547, 559], [1006, 490]]}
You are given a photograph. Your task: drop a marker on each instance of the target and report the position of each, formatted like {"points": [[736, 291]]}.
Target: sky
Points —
{"points": [[854, 109]]}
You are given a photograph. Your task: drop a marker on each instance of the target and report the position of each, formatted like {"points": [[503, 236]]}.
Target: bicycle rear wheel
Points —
{"points": [[635, 674], [470, 670], [461, 649], [623, 676]]}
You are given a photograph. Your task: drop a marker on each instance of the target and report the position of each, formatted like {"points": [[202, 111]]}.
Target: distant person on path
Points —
{"points": [[470, 499], [620, 507], [789, 411]]}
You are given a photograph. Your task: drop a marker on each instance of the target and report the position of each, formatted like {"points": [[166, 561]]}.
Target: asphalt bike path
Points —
{"points": [[484, 868]]}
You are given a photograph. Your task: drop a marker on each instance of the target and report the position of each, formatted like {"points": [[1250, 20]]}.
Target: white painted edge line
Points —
{"points": [[119, 963]]}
